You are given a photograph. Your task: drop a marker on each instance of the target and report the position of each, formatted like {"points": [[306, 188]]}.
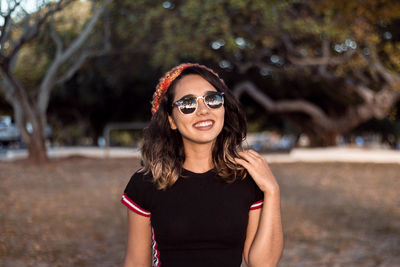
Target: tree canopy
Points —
{"points": [[335, 63], [318, 67]]}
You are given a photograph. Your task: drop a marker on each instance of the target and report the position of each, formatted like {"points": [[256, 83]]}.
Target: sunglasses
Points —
{"points": [[188, 104]]}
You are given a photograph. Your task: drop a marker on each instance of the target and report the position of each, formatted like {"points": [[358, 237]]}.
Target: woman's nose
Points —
{"points": [[202, 107]]}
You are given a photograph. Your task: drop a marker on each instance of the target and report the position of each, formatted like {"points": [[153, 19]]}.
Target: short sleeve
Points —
{"points": [[137, 194], [258, 197]]}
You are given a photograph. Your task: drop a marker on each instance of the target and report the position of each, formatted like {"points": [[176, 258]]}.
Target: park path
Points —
{"points": [[330, 154]]}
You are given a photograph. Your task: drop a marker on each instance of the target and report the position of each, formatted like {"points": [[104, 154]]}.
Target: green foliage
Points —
{"points": [[187, 29], [31, 65], [151, 36], [240, 30], [35, 58]]}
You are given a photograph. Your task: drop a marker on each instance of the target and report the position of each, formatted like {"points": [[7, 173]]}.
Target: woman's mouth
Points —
{"points": [[204, 125]]}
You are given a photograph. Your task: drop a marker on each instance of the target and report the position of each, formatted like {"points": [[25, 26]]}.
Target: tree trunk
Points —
{"points": [[322, 139], [25, 112], [36, 140], [317, 136], [37, 150]]}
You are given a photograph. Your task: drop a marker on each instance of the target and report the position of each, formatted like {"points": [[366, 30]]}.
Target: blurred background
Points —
{"points": [[309, 74]]}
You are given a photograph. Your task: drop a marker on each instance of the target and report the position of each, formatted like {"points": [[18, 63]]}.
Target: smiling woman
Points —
{"points": [[197, 122], [198, 199], [164, 143]]}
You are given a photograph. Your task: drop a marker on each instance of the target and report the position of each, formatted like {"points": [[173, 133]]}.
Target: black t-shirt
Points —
{"points": [[199, 221]]}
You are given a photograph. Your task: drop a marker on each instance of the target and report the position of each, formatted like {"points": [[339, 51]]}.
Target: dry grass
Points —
{"points": [[68, 213]]}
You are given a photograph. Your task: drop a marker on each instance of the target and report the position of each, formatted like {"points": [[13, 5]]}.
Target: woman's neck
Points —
{"points": [[198, 158]]}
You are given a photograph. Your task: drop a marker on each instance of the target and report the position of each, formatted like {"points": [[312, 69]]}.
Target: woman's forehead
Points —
{"points": [[193, 84]]}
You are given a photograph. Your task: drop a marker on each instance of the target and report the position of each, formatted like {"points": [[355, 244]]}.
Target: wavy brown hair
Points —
{"points": [[162, 151]]}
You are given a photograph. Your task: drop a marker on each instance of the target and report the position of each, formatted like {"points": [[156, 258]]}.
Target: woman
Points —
{"points": [[199, 200]]}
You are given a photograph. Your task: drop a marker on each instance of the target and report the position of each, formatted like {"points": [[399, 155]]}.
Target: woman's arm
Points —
{"points": [[138, 251], [264, 239]]}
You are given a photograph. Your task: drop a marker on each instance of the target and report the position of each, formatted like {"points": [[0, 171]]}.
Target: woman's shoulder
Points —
{"points": [[247, 183], [138, 193], [245, 180], [141, 178], [142, 175]]}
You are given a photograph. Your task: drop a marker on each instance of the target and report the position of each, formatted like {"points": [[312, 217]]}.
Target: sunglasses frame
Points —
{"points": [[197, 102]]}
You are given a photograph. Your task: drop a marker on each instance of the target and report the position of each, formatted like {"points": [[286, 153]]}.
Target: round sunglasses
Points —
{"points": [[188, 104]]}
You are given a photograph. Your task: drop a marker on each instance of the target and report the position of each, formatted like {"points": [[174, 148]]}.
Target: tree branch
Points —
{"points": [[375, 64], [50, 79], [255, 61], [376, 106], [3, 29], [361, 90], [107, 31], [77, 43], [7, 87], [32, 31], [360, 76], [310, 109], [290, 47], [23, 9], [243, 67], [88, 53], [17, 96], [322, 62], [78, 63], [317, 61], [364, 92], [56, 38], [325, 56]]}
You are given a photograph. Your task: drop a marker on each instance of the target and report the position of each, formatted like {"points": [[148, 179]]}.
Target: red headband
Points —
{"points": [[166, 81]]}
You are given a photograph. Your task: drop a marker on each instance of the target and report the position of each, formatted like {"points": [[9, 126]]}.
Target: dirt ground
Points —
{"points": [[68, 213]]}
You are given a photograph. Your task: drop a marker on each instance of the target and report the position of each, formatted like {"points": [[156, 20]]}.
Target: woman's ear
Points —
{"points": [[172, 123]]}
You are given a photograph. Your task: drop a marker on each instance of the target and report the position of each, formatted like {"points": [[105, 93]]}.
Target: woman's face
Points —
{"points": [[204, 124]]}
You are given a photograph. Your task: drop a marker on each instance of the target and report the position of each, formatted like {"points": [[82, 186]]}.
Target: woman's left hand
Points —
{"points": [[258, 168]]}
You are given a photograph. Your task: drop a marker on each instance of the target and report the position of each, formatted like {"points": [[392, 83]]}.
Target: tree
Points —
{"points": [[354, 50], [352, 44], [19, 28]]}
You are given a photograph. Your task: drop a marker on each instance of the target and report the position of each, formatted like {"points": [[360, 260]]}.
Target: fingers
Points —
{"points": [[254, 153], [242, 162], [251, 155], [251, 152], [249, 158]]}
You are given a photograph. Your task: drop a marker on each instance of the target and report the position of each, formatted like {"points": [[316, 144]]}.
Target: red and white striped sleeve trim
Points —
{"points": [[133, 206], [257, 205], [156, 252]]}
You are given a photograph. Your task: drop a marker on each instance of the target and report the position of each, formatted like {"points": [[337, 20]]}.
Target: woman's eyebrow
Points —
{"points": [[192, 95], [189, 95]]}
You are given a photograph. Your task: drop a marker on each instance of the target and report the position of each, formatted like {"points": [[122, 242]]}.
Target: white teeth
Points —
{"points": [[203, 124]]}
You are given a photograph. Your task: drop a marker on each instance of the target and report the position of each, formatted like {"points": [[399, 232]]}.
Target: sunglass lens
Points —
{"points": [[214, 100], [188, 105]]}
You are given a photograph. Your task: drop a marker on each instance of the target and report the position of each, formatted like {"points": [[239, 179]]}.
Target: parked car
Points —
{"points": [[10, 135], [269, 142]]}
